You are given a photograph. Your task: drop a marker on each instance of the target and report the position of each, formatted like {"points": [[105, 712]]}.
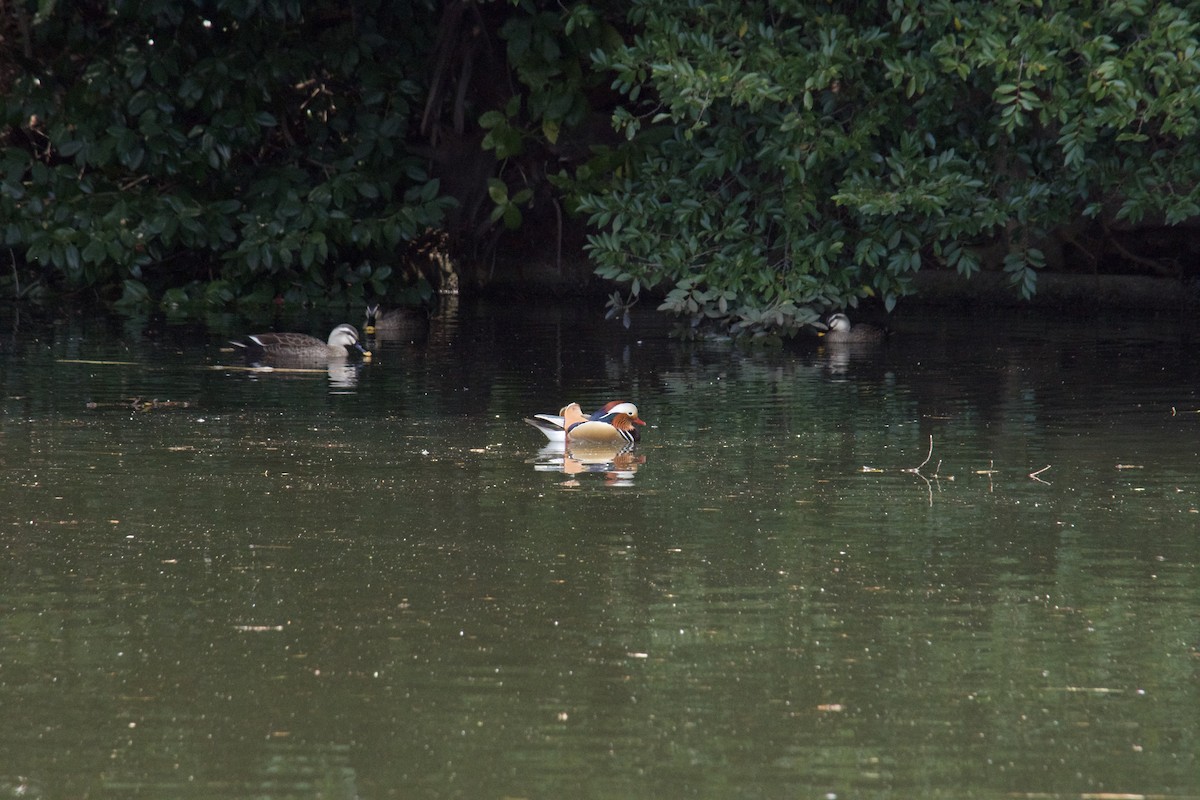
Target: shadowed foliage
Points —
{"points": [[749, 165]]}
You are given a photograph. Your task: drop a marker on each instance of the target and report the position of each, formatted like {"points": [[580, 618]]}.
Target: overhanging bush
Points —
{"points": [[214, 151], [787, 158]]}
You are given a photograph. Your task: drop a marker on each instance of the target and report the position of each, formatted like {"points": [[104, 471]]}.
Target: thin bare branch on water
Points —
{"points": [[928, 456]]}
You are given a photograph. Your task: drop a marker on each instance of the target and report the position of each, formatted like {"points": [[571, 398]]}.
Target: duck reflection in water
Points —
{"points": [[343, 375], [618, 463]]}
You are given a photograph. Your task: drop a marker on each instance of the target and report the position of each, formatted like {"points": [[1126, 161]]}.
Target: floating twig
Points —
{"points": [[928, 485], [1038, 472], [990, 471], [140, 404], [96, 363], [928, 456], [917, 470]]}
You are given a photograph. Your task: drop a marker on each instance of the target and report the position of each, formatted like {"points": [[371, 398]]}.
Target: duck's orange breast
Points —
{"points": [[594, 431]]}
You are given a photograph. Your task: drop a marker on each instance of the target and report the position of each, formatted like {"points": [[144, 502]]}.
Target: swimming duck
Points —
{"points": [[840, 330], [555, 428], [393, 320], [342, 342], [610, 426]]}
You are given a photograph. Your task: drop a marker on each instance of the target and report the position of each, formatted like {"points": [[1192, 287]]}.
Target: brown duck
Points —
{"points": [[342, 343]]}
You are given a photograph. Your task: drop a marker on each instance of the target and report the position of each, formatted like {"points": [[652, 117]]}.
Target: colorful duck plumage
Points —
{"points": [[555, 426], [611, 426]]}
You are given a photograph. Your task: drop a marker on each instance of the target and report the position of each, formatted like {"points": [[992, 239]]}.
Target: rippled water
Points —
{"points": [[961, 565]]}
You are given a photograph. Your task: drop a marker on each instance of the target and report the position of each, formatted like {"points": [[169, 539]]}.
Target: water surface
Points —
{"points": [[960, 565]]}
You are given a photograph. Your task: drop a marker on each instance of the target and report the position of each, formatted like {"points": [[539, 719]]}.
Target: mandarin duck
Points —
{"points": [[602, 427], [555, 426]]}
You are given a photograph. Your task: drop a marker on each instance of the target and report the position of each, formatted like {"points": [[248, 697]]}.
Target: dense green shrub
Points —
{"points": [[214, 151], [775, 159], [789, 157]]}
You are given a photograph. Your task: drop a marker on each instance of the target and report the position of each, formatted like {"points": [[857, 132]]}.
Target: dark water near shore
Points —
{"points": [[965, 564]]}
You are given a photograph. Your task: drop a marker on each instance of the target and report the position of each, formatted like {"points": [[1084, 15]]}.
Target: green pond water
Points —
{"points": [[963, 565]]}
